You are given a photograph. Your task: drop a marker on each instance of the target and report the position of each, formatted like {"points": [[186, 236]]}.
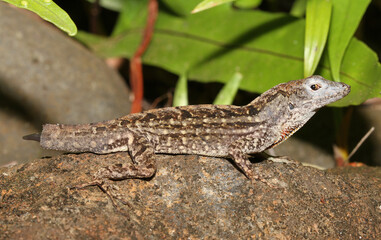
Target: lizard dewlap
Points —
{"points": [[211, 130]]}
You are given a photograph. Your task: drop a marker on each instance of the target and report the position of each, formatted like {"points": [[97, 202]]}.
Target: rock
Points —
{"points": [[189, 198], [13, 150], [47, 77]]}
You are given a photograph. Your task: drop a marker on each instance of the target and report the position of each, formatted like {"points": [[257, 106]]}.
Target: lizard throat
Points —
{"points": [[285, 134]]}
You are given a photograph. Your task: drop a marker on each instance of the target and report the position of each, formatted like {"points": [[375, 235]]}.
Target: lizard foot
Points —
{"points": [[107, 189], [265, 175], [255, 177], [283, 159]]}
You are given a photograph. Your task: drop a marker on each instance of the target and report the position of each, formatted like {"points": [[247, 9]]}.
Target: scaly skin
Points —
{"points": [[211, 130]]}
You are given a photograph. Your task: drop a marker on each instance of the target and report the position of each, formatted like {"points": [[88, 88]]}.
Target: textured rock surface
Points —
{"points": [[190, 197], [47, 77]]}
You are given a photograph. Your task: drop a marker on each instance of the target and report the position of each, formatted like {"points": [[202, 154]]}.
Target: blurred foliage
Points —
{"points": [[267, 48], [230, 37]]}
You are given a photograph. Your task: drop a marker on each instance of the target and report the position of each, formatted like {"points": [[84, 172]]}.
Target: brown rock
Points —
{"points": [[190, 197], [47, 77]]}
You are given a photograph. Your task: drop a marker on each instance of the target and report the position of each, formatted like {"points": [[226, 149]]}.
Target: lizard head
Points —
{"points": [[312, 93], [297, 101]]}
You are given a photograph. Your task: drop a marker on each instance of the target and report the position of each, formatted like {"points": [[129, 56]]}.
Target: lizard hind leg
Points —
{"points": [[143, 158], [143, 166]]}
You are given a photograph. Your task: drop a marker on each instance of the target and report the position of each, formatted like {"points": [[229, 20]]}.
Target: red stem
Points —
{"points": [[136, 71]]}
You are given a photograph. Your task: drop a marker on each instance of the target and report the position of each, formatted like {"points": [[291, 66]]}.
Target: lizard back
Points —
{"points": [[204, 129]]}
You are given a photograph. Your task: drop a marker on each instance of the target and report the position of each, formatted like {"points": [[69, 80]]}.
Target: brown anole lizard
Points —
{"points": [[210, 130]]}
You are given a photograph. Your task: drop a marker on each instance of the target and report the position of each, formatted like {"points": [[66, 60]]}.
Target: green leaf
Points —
{"points": [[247, 4], [90, 39], [360, 69], [298, 8], [228, 92], [267, 48], [114, 5], [180, 97], [48, 11], [181, 8], [318, 15], [133, 13], [346, 17], [206, 4]]}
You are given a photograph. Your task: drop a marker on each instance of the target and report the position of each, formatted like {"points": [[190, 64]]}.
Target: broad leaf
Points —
{"points": [[247, 4], [133, 13], [180, 8], [267, 48], [346, 16]]}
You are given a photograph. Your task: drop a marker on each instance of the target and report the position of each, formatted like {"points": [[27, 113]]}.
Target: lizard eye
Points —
{"points": [[291, 106], [315, 87]]}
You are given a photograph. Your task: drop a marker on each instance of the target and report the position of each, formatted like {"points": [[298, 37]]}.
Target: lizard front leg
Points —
{"points": [[242, 160]]}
